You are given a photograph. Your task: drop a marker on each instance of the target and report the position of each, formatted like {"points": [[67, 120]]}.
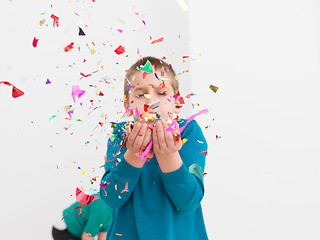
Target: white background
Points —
{"points": [[262, 174]]}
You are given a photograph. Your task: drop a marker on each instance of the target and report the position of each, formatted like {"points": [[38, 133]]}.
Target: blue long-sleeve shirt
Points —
{"points": [[156, 205]]}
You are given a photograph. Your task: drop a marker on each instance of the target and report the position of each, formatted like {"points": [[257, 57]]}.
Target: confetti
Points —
{"points": [[35, 42], [205, 153], [125, 188], [183, 5], [158, 40], [42, 22], [48, 81], [55, 20], [213, 88], [119, 50], [81, 32], [147, 67], [84, 198], [15, 91], [147, 95], [184, 140], [69, 47], [77, 92]]}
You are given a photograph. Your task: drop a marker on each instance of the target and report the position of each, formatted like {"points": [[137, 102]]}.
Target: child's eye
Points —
{"points": [[139, 95], [163, 93]]}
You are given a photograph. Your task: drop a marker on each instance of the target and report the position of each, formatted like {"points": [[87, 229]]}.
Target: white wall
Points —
{"points": [[39, 158], [263, 173]]}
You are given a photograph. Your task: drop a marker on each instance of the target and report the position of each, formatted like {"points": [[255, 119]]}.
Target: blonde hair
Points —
{"points": [[158, 64]]}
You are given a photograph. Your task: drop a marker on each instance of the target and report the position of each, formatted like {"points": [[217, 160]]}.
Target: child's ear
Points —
{"points": [[126, 104]]}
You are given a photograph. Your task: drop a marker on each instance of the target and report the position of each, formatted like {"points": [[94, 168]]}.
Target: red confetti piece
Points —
{"points": [[162, 85], [144, 75], [69, 47], [189, 95], [119, 50], [100, 94], [181, 101], [84, 198], [35, 42], [101, 124], [83, 75], [205, 152], [55, 20], [178, 137], [146, 106], [15, 91], [185, 57], [158, 40]]}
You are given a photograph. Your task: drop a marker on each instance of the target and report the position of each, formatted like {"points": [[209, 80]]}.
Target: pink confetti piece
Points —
{"points": [[192, 117], [77, 92]]}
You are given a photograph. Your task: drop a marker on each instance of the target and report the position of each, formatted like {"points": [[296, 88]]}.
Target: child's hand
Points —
{"points": [[138, 138], [165, 142]]}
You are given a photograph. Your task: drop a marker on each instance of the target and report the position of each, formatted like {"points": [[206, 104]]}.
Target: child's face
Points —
{"points": [[147, 90]]}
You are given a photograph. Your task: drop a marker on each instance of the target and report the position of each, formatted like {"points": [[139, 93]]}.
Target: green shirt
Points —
{"points": [[94, 218]]}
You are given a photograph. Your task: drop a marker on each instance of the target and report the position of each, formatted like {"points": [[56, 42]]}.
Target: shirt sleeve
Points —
{"points": [[185, 186], [120, 178], [99, 217]]}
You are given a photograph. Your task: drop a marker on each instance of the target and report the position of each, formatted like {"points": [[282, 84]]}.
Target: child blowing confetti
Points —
{"points": [[158, 197], [84, 221]]}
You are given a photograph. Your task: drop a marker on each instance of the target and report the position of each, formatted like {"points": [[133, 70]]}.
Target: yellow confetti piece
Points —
{"points": [[118, 234], [183, 5], [42, 22], [147, 95], [125, 97], [83, 172], [213, 88], [115, 186], [69, 1], [93, 51], [184, 140]]}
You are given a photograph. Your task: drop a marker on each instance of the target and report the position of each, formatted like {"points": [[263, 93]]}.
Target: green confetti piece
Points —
{"points": [[114, 126], [213, 88], [113, 136], [52, 117], [51, 146], [79, 120], [43, 13], [147, 67], [192, 169]]}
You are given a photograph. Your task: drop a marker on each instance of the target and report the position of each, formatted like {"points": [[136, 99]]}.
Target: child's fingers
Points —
{"points": [[132, 136], [167, 134], [160, 134], [155, 143], [140, 136], [147, 138]]}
